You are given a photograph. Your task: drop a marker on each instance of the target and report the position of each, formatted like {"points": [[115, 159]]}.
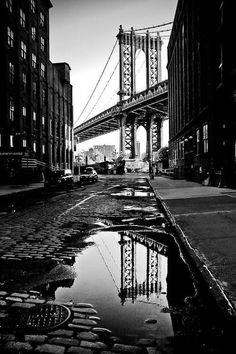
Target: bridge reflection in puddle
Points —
{"points": [[123, 274]]}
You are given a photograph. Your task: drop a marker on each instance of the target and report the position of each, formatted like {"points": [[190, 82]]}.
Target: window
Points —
{"points": [[42, 19], [221, 12], [50, 127], [10, 37], [42, 72], [220, 63], [43, 149], [24, 111], [11, 141], [34, 146], [22, 18], [34, 89], [24, 81], [235, 151], [11, 73], [205, 138], [23, 50], [43, 97], [197, 140], [34, 116], [33, 33], [43, 122], [11, 109], [9, 5], [24, 143], [32, 5], [33, 61], [42, 44]]}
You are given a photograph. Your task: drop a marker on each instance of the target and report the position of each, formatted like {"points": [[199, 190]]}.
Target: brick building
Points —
{"points": [[35, 95], [202, 91]]}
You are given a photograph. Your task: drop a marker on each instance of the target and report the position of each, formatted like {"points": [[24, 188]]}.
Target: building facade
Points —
{"points": [[60, 117], [202, 92], [107, 152], [32, 90]]}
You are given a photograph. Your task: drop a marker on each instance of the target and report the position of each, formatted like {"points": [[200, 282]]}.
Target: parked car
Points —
{"points": [[88, 175], [169, 172], [65, 178], [60, 178]]}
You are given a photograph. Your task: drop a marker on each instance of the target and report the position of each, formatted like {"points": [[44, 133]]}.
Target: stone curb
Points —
{"points": [[215, 289]]}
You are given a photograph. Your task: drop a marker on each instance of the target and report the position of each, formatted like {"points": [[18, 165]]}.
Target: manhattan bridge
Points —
{"points": [[147, 108]]}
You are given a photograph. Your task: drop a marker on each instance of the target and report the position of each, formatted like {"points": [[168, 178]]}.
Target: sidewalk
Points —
{"points": [[205, 219], [11, 194], [10, 189]]}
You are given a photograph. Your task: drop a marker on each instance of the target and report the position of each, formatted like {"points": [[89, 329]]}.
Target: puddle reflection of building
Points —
{"points": [[141, 266]]}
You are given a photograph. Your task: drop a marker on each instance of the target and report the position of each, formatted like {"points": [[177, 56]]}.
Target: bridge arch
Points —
{"points": [[140, 71]]}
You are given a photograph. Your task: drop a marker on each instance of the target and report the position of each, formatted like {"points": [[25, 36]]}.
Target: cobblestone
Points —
{"points": [[18, 347], [50, 349], [7, 337], [35, 338], [122, 348], [101, 330], [84, 310], [35, 301], [79, 327], [84, 322], [20, 295], [63, 341], [22, 305], [79, 350], [61, 333], [79, 315], [93, 345], [13, 299], [88, 336]]}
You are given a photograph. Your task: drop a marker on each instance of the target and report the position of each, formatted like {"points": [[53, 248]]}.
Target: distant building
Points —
{"points": [[35, 95], [108, 151], [202, 91], [138, 150]]}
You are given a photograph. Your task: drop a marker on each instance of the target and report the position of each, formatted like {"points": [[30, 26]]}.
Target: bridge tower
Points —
{"points": [[129, 44]]}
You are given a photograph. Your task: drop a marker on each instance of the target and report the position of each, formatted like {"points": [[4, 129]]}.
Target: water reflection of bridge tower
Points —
{"points": [[140, 267]]}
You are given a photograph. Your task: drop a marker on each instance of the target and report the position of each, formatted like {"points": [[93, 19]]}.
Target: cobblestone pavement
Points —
{"points": [[38, 241]]}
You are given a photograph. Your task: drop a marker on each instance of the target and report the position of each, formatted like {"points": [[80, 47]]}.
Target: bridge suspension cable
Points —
{"points": [[117, 88], [100, 77], [156, 26], [107, 83]]}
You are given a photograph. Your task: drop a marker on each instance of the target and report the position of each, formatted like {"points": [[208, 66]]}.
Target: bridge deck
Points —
{"points": [[148, 102]]}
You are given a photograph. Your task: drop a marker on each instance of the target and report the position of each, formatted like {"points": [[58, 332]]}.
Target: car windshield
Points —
{"points": [[88, 171]]}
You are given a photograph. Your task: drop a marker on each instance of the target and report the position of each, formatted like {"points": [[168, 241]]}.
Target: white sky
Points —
{"points": [[83, 33]]}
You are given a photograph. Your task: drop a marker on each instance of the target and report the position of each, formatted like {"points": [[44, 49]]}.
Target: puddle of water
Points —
{"points": [[128, 192], [133, 208], [124, 277]]}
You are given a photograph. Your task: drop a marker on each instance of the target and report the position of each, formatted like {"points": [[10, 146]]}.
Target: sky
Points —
{"points": [[83, 34]]}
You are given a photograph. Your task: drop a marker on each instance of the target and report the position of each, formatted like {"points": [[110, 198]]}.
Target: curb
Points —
{"points": [[214, 288]]}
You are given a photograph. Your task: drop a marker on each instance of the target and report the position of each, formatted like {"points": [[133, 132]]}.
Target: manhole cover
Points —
{"points": [[46, 317]]}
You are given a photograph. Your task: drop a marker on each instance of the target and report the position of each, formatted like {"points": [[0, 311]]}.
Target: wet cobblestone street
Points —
{"points": [[39, 246]]}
